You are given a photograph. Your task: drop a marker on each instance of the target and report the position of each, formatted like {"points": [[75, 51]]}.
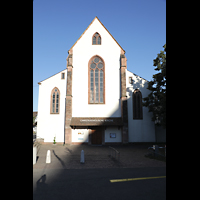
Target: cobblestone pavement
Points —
{"points": [[68, 157]]}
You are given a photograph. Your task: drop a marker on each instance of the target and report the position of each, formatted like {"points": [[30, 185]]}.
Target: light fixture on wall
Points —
{"points": [[130, 80], [157, 121]]}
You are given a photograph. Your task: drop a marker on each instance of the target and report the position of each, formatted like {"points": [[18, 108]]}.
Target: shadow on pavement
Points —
{"points": [[67, 178]]}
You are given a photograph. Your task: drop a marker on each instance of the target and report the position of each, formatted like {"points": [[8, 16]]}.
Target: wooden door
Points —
{"points": [[97, 136]]}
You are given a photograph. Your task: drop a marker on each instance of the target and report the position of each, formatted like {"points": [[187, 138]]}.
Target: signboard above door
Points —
{"points": [[96, 121]]}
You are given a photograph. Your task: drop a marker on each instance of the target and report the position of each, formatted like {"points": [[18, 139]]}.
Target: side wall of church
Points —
{"points": [[140, 130], [51, 125]]}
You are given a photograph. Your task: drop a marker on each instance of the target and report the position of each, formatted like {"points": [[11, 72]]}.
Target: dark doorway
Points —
{"points": [[97, 136]]}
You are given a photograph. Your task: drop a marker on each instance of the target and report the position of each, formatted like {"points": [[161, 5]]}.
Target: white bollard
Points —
{"points": [[34, 154], [82, 157], [48, 158]]}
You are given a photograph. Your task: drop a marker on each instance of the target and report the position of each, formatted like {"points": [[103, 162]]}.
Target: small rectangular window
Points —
{"points": [[62, 75]]}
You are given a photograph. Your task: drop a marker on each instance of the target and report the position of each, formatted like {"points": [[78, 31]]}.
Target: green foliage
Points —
{"points": [[33, 119], [54, 140], [156, 100]]}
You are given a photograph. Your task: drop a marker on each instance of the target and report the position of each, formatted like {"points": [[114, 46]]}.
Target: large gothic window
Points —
{"points": [[55, 101], [137, 105], [96, 74]]}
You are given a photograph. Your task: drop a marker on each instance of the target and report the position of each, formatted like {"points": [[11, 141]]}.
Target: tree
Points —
{"points": [[156, 100]]}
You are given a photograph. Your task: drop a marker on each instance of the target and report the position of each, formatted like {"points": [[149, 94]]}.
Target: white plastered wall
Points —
{"points": [[51, 125], [139, 130], [80, 135], [113, 129], [83, 50]]}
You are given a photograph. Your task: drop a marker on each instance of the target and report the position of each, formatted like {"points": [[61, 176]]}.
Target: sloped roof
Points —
{"points": [[138, 75], [51, 76], [88, 27]]}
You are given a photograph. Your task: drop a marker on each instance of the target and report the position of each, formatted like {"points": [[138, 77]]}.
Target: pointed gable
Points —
{"points": [[96, 19]]}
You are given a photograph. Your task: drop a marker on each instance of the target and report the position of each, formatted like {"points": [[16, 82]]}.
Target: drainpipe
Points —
{"points": [[64, 122]]}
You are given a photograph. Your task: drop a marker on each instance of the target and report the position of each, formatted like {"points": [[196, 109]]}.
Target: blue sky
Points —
{"points": [[139, 26]]}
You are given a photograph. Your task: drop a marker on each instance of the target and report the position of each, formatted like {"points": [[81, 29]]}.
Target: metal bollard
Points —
{"points": [[82, 157]]}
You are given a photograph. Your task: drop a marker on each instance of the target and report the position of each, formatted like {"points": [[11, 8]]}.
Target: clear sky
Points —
{"points": [[139, 26]]}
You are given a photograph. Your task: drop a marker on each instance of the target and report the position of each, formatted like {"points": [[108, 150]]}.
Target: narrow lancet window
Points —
{"points": [[96, 80], [55, 101], [137, 105], [96, 39]]}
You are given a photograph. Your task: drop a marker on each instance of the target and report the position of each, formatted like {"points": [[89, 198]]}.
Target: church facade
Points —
{"points": [[96, 100]]}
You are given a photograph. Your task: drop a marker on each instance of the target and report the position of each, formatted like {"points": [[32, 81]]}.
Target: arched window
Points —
{"points": [[96, 39], [55, 101], [137, 105], [96, 82]]}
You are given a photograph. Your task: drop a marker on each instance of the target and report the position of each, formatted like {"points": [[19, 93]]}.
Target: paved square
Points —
{"points": [[68, 157], [66, 178]]}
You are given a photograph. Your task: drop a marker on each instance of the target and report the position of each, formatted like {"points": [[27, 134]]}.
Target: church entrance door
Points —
{"points": [[97, 136]]}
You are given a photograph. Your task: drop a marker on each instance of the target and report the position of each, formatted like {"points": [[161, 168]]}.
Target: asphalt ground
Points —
{"points": [[66, 178]]}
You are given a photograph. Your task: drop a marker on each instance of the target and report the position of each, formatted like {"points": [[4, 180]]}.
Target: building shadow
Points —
{"points": [[61, 161], [40, 184], [75, 183]]}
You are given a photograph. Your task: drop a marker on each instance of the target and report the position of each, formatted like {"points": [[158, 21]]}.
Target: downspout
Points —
{"points": [[64, 122]]}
